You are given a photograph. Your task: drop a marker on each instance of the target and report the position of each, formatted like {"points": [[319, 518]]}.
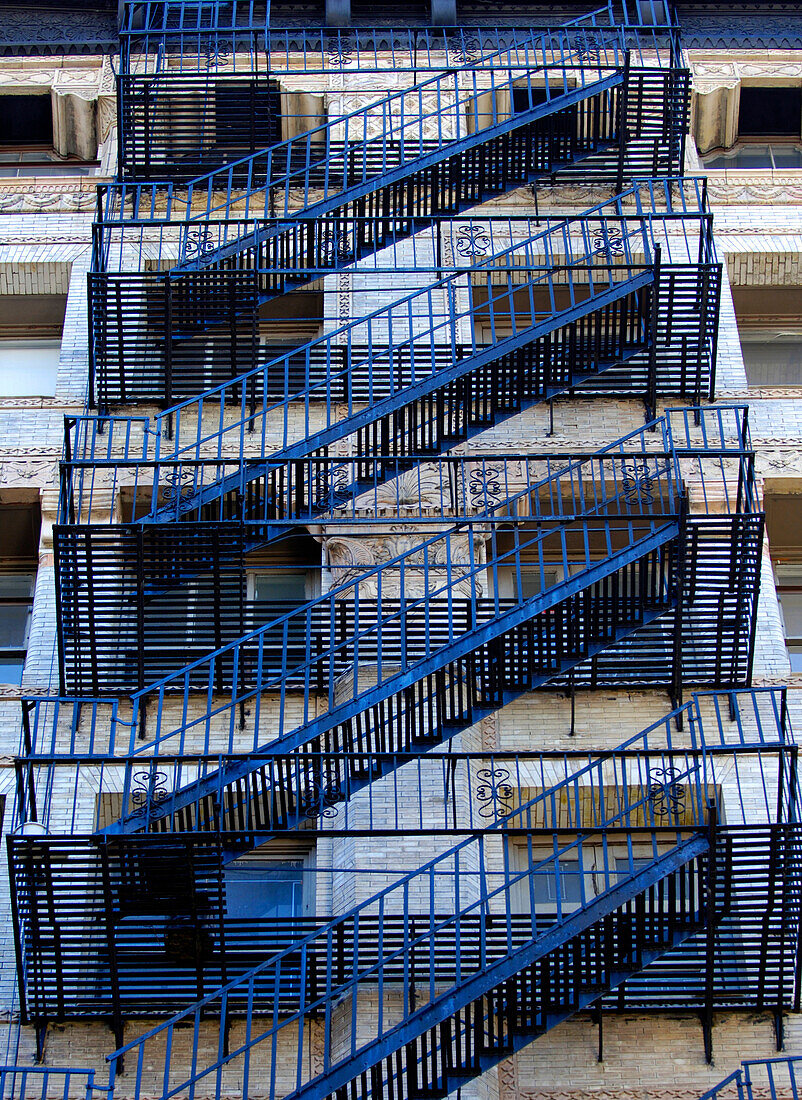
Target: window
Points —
{"points": [[284, 576], [570, 885], [789, 591], [30, 343], [264, 889], [529, 584], [247, 116], [499, 313], [16, 601], [784, 529], [281, 586], [275, 886], [772, 357], [770, 329], [770, 111], [26, 140], [26, 120], [273, 595], [598, 870], [756, 154], [769, 131], [19, 552], [42, 162]]}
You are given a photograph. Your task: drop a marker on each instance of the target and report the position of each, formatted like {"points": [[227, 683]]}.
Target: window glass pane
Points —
{"points": [[545, 883], [765, 110], [772, 361], [625, 867], [751, 155], [14, 625], [262, 889], [530, 580], [68, 168], [280, 586], [787, 156], [11, 668], [791, 603], [757, 154], [26, 120], [28, 368], [789, 575], [795, 655], [15, 586]]}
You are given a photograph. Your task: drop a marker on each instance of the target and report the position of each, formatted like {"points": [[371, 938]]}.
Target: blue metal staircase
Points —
{"points": [[515, 980], [482, 975], [439, 660], [423, 392], [243, 226], [589, 910], [627, 553], [403, 670]]}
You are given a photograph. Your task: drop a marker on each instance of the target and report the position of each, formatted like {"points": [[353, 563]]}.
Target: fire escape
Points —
{"points": [[202, 720]]}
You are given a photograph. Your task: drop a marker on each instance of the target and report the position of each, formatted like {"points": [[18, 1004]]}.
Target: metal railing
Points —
{"points": [[309, 978], [20, 1082], [404, 794], [780, 1077], [83, 727], [233, 36]]}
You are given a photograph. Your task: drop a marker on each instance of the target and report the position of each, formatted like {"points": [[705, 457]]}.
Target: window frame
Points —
{"points": [[277, 854], [10, 653], [740, 146], [793, 643], [765, 335]]}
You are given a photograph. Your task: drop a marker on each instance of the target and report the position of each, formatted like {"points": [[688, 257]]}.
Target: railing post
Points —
{"points": [[168, 349], [680, 580], [622, 124], [651, 384], [711, 882]]}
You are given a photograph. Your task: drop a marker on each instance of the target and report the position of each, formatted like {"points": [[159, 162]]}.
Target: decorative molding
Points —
{"points": [[24, 30], [490, 735], [46, 197], [723, 230], [27, 470], [40, 402], [344, 298], [612, 1092], [348, 558], [758, 188], [507, 1079], [43, 242]]}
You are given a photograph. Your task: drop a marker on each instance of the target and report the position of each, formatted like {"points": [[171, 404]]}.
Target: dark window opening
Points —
{"points": [[775, 112], [26, 120], [32, 316], [525, 97], [247, 115]]}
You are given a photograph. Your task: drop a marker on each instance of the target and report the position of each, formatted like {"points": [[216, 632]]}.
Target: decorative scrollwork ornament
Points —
{"points": [[494, 793]]}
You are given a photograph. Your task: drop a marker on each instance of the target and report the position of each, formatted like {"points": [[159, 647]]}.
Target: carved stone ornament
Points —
{"points": [[761, 188], [348, 559], [27, 471], [25, 29], [52, 198], [675, 1092]]}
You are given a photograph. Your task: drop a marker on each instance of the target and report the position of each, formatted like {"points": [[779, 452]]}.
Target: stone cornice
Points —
{"points": [[54, 194], [756, 188]]}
